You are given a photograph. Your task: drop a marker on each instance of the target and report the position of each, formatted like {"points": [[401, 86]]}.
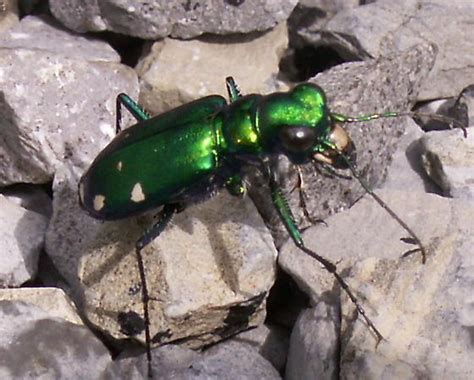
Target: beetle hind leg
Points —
{"points": [[163, 219]]}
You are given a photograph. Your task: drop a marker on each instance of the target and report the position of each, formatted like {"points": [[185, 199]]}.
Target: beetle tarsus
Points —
{"points": [[146, 316]]}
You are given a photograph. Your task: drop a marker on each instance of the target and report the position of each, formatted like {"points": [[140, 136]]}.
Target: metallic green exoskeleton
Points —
{"points": [[183, 155], [189, 151]]}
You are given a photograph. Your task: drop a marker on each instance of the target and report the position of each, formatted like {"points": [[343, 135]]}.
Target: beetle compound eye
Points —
{"points": [[297, 139]]}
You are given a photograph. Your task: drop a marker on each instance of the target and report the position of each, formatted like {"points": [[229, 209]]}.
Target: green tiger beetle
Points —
{"points": [[179, 157]]}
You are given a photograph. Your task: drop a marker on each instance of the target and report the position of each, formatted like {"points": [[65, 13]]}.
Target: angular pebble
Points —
{"points": [[382, 27], [22, 234], [176, 72], [448, 159], [160, 18], [35, 345], [424, 312]]}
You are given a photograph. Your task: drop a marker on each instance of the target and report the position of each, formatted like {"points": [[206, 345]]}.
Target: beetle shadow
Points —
{"points": [[240, 217], [413, 155]]}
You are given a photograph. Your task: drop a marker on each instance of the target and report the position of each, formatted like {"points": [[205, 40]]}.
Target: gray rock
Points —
{"points": [[30, 197], [31, 151], [230, 360], [52, 301], [448, 158], [22, 237], [8, 14], [158, 18], [208, 273], [455, 112], [424, 312], [406, 170], [386, 26], [270, 341], [329, 6], [46, 347], [314, 344], [219, 362], [50, 104], [167, 361], [46, 35], [176, 72]]}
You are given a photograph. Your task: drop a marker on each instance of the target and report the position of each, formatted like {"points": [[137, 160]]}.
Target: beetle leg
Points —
{"points": [[281, 204], [302, 198], [163, 219], [232, 89], [133, 107], [328, 171], [235, 186]]}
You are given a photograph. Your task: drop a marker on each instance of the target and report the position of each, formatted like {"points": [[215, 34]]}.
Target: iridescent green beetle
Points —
{"points": [[183, 155]]}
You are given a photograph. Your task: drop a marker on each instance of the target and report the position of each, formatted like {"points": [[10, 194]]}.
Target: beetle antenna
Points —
{"points": [[414, 238], [452, 123]]}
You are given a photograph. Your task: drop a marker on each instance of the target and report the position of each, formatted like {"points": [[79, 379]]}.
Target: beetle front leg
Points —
{"points": [[235, 186], [133, 107], [232, 89], [281, 204], [163, 219]]}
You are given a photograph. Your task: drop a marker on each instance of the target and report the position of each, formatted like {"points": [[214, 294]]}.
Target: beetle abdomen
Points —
{"points": [[150, 172]]}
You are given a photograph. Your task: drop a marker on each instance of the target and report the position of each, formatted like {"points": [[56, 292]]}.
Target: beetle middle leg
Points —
{"points": [[300, 186], [163, 219], [286, 215], [133, 107]]}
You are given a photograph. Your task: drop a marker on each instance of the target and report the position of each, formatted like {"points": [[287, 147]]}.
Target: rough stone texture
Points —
{"points": [[8, 14], [448, 158], [35, 345], [386, 26], [176, 72], [30, 197], [270, 341], [423, 311], [406, 170], [227, 361], [167, 362], [161, 18], [330, 6], [46, 35], [354, 89], [314, 344], [50, 104], [52, 301], [21, 238], [208, 273], [219, 362]]}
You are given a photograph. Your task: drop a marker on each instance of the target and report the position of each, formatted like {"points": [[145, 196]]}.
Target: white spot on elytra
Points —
{"points": [[119, 166], [99, 202], [137, 193]]}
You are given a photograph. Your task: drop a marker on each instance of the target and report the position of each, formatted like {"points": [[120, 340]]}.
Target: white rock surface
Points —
{"points": [[22, 235]]}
